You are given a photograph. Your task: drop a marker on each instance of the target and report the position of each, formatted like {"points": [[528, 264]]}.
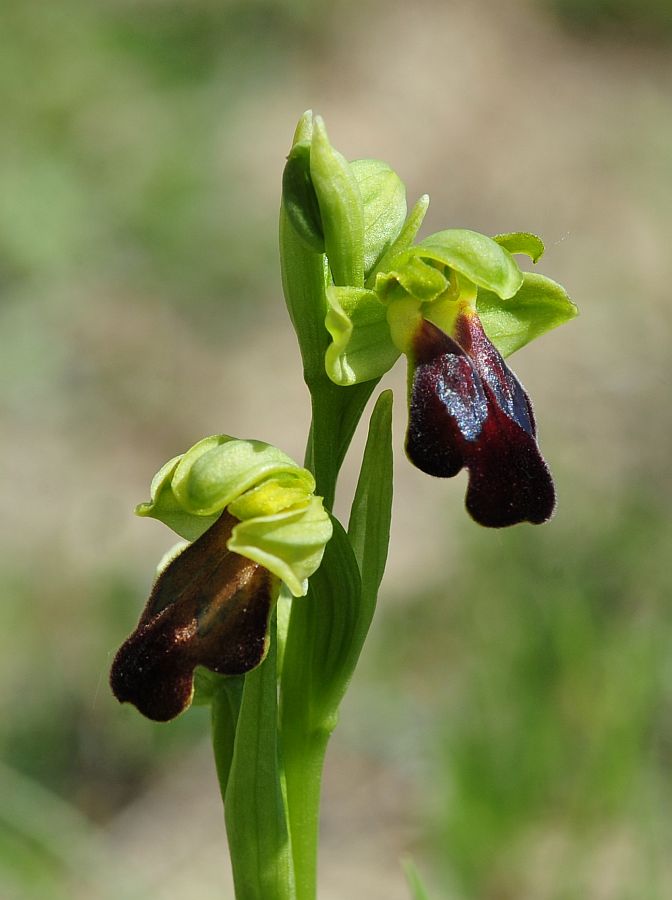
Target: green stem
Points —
{"points": [[224, 709], [303, 748], [250, 778], [304, 761], [336, 412]]}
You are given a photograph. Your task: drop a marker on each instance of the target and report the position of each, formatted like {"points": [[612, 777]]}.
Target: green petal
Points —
{"points": [[417, 278], [279, 492], [384, 197], [478, 257], [522, 242], [539, 306], [165, 506], [361, 347], [289, 544]]}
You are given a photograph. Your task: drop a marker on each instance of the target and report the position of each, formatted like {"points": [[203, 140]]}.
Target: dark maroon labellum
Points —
{"points": [[209, 607], [468, 410]]}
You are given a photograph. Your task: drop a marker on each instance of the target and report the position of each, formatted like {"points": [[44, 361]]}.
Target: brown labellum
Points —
{"points": [[209, 607], [468, 410]]}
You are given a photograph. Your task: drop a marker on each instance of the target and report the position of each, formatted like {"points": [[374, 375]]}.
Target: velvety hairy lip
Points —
{"points": [[461, 417], [209, 607]]}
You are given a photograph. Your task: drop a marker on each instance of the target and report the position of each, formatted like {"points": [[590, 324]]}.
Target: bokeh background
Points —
{"points": [[510, 726]]}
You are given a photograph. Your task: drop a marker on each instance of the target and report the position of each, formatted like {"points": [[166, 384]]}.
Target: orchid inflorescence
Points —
{"points": [[361, 290]]}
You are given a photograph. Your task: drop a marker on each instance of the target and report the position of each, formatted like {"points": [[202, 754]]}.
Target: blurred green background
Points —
{"points": [[510, 726]]}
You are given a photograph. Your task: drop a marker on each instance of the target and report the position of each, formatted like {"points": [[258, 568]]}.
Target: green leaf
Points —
{"points": [[539, 306], [418, 891], [324, 639], [207, 683], [361, 347], [369, 525], [318, 639], [384, 197], [341, 208], [314, 670], [343, 591], [478, 257], [256, 821], [522, 242], [224, 694]]}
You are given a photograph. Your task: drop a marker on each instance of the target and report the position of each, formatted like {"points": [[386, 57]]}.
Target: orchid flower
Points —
{"points": [[252, 523], [455, 304]]}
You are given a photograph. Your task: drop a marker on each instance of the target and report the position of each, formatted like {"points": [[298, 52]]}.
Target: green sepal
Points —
{"points": [[540, 305], [361, 347], [384, 198], [522, 242], [299, 198], [214, 473], [165, 506], [474, 255], [341, 208], [381, 200]]}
